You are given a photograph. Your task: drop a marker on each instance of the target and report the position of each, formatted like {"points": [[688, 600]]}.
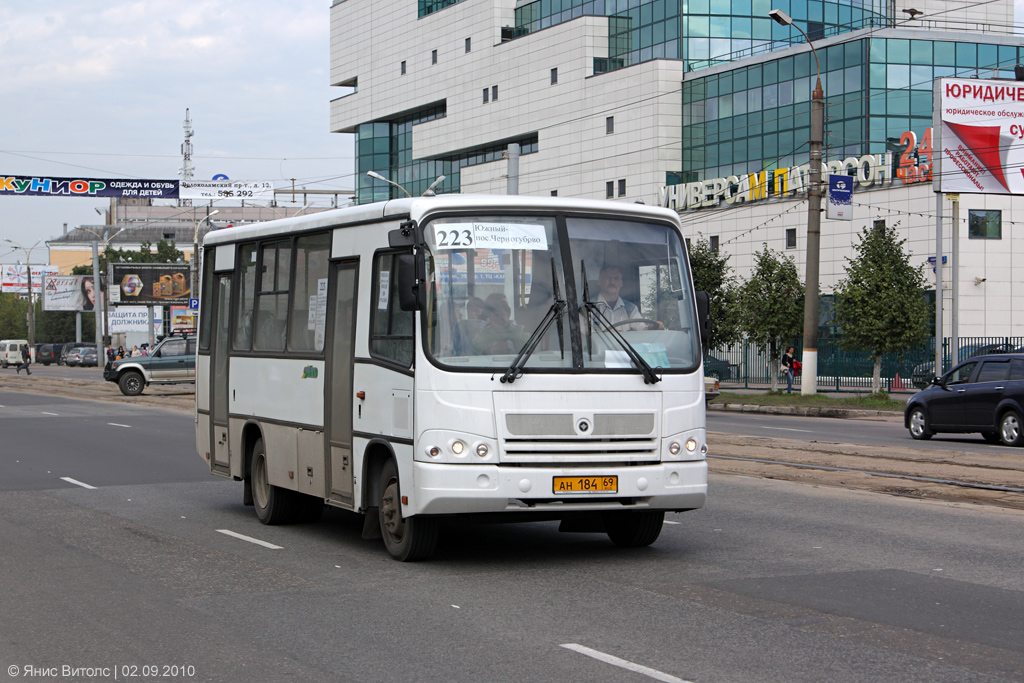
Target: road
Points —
{"points": [[772, 581]]}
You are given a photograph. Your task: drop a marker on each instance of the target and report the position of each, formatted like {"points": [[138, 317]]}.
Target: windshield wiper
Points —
{"points": [[594, 311], [515, 370]]}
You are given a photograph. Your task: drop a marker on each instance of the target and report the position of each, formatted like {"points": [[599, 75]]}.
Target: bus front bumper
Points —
{"points": [[457, 489]]}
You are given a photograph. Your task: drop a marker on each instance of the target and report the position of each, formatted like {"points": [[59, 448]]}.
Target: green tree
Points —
{"points": [[880, 304], [771, 306], [13, 317], [713, 274], [163, 252]]}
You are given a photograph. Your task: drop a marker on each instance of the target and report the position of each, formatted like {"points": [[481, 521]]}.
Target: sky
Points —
{"points": [[99, 90]]}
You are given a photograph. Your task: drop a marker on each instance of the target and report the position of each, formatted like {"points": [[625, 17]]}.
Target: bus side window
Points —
{"points": [[391, 328], [309, 301], [246, 297]]}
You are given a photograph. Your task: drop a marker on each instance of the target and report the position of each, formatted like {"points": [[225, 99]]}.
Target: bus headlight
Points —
{"points": [[458, 447], [482, 450], [691, 445], [673, 448]]}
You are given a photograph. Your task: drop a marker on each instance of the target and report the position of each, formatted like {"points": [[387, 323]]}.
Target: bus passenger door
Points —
{"points": [[340, 350], [219, 366]]}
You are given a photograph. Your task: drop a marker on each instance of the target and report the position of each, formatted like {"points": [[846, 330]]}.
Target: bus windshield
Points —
{"points": [[497, 287]]}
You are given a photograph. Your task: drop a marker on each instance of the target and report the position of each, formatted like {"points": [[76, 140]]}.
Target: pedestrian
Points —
{"points": [[135, 352], [787, 368], [26, 359]]}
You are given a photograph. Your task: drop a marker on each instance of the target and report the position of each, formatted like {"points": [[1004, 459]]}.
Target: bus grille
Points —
{"points": [[553, 438]]}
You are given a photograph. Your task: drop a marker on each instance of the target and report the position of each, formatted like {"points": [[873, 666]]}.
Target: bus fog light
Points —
{"points": [[482, 450], [458, 447], [433, 451], [674, 448], [691, 445]]}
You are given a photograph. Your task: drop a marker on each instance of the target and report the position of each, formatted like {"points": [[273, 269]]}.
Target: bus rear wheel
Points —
{"points": [[634, 529], [407, 538], [274, 505]]}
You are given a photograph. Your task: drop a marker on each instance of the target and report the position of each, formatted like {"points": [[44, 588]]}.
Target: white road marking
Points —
{"points": [[668, 522], [622, 663], [77, 483], [784, 429], [46, 413], [257, 541], [114, 424]]}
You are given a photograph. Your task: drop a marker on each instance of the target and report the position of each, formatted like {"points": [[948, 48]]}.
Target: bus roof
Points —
{"points": [[418, 207]]}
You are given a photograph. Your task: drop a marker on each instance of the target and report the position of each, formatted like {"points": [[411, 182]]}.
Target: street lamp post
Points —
{"points": [[809, 383], [99, 291], [31, 307]]}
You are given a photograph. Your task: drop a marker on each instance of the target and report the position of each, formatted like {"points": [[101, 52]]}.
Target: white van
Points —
{"points": [[10, 352]]}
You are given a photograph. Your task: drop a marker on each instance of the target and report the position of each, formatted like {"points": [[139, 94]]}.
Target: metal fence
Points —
{"points": [[749, 365]]}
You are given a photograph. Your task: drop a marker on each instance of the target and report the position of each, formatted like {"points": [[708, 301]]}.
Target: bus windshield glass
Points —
{"points": [[497, 288]]}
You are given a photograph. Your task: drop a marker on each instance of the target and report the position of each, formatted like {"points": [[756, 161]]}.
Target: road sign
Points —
{"points": [[193, 304]]}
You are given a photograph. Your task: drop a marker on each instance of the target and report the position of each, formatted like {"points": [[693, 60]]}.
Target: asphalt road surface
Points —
{"points": [[160, 566]]}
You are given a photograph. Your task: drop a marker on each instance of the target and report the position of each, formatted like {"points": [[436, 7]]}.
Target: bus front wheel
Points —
{"points": [[634, 529], [407, 538]]}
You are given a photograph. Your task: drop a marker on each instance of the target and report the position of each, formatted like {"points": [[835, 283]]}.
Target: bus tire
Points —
{"points": [[274, 505], [407, 539], [634, 529]]}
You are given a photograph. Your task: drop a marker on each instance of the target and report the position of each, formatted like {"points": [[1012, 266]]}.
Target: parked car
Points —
{"points": [[717, 368], [87, 357], [48, 353], [711, 387], [925, 372], [74, 356], [67, 349], [172, 361], [983, 394]]}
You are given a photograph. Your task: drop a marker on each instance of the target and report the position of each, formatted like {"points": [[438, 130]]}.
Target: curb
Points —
{"points": [[804, 411]]}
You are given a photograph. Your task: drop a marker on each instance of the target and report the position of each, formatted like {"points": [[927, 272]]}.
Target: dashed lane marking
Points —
{"points": [[622, 663], [250, 539], [77, 483]]}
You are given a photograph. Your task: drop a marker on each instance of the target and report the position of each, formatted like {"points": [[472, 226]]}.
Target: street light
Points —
{"points": [[31, 308], [809, 384], [378, 176], [100, 310]]}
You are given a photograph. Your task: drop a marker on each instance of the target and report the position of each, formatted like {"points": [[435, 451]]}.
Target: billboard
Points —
{"points": [[979, 130], [149, 284], [15, 278], [183, 318], [226, 189], [134, 319], [69, 293], [49, 186]]}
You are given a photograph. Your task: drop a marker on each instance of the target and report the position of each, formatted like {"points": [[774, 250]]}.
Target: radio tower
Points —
{"points": [[186, 153]]}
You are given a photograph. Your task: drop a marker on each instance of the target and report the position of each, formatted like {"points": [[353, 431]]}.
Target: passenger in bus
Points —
{"points": [[615, 308], [500, 335], [470, 326]]}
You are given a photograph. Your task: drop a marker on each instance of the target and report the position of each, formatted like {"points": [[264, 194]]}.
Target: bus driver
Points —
{"points": [[615, 308]]}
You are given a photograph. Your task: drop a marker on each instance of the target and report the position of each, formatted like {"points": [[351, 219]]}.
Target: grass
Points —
{"points": [[866, 402]]}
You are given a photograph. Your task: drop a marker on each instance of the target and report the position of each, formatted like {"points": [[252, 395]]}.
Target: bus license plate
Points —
{"points": [[585, 485]]}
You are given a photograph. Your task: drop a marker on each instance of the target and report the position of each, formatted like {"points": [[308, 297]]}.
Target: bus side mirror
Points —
{"points": [[408, 290], [703, 307]]}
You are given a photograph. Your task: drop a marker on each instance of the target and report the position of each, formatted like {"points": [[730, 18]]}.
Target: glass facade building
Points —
{"points": [[753, 117]]}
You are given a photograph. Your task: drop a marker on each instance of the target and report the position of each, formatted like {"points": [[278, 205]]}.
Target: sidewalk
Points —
{"points": [[731, 400]]}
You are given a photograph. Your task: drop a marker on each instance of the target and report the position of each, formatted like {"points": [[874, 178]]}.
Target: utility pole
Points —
{"points": [[186, 153], [98, 309]]}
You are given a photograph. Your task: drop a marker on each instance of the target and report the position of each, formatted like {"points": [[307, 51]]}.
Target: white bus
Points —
{"points": [[514, 358]]}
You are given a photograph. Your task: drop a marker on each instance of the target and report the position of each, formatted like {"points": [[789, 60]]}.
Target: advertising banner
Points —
{"points": [[134, 319], [15, 278], [48, 186], [182, 318], [226, 189], [979, 128], [149, 284], [840, 197], [69, 293]]}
